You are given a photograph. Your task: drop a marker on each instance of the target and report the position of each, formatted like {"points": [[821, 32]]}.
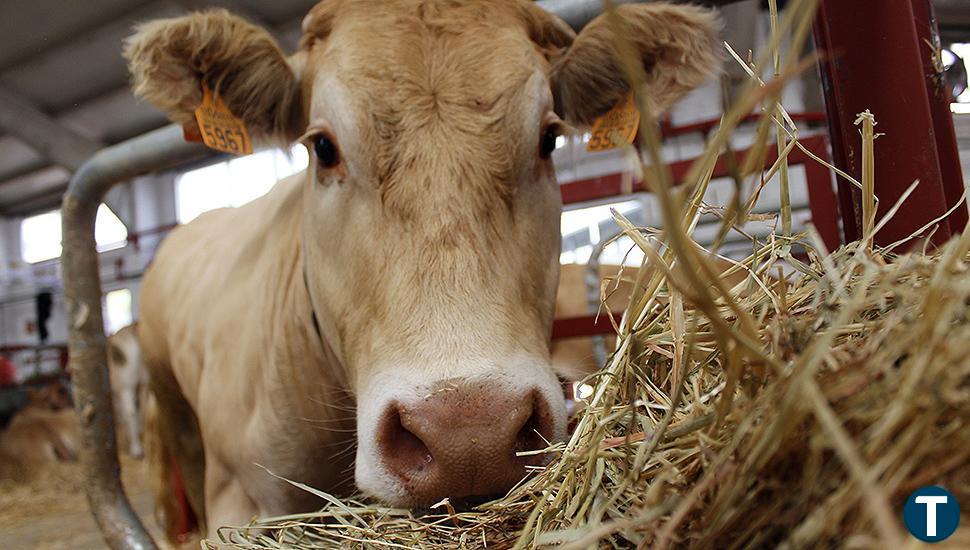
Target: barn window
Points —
{"points": [[584, 228], [40, 235], [117, 308], [234, 182]]}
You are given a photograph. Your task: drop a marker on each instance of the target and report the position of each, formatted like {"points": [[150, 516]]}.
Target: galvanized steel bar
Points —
{"points": [[158, 150]]}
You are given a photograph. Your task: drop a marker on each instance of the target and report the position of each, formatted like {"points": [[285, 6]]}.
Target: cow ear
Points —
{"points": [[551, 34], [171, 59], [675, 44]]}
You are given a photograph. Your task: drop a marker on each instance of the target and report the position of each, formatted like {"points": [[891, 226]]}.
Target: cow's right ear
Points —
{"points": [[170, 59], [675, 43]]}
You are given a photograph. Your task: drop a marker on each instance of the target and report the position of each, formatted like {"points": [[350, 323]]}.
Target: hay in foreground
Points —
{"points": [[789, 411], [861, 395]]}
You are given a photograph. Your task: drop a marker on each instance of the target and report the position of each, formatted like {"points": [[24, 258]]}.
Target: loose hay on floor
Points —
{"points": [[49, 510], [794, 410]]}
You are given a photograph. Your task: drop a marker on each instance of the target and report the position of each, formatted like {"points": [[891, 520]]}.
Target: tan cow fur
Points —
{"points": [[429, 254], [128, 384], [43, 432]]}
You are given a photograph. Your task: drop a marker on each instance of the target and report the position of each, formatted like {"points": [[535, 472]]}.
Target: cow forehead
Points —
{"points": [[408, 62], [392, 18], [454, 90]]}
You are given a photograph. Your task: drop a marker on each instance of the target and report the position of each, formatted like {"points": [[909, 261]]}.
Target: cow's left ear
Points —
{"points": [[171, 59], [675, 43]]}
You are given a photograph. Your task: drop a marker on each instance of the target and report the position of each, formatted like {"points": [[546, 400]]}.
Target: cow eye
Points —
{"points": [[549, 141], [326, 151]]}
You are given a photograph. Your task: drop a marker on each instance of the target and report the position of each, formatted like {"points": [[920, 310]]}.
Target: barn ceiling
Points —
{"points": [[62, 72], [61, 61]]}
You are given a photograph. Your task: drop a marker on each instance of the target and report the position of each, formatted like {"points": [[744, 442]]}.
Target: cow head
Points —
{"points": [[52, 396], [431, 210]]}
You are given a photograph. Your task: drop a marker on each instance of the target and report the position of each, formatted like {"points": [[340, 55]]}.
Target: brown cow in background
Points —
{"points": [[129, 381], [43, 432]]}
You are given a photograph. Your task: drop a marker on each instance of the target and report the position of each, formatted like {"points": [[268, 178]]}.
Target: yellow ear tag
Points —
{"points": [[221, 130], [616, 127]]}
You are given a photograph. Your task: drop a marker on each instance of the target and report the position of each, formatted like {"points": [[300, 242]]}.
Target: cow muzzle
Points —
{"points": [[461, 440]]}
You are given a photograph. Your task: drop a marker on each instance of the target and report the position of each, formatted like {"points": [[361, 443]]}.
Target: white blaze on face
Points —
{"points": [[406, 330], [333, 212]]}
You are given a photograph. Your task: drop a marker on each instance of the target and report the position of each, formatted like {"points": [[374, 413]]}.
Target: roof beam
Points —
{"points": [[59, 144], [56, 41], [51, 178], [21, 195], [43, 201], [7, 176]]}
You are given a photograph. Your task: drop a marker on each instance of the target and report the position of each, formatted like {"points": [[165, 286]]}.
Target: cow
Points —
{"points": [[44, 431], [128, 380], [381, 319], [53, 395]]}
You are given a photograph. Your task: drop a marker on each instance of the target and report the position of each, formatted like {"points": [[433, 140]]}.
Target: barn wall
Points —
{"points": [[151, 204]]}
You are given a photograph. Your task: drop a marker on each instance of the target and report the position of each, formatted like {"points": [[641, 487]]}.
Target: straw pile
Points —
{"points": [[856, 392], [794, 410]]}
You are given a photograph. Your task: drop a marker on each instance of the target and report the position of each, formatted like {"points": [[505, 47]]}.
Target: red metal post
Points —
{"points": [[822, 200], [940, 99], [874, 57], [586, 325]]}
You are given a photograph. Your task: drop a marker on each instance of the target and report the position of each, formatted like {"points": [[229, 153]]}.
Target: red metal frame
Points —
{"points": [[61, 349], [877, 57], [134, 238], [821, 196], [586, 325], [940, 99], [882, 62], [822, 201], [669, 130], [187, 522]]}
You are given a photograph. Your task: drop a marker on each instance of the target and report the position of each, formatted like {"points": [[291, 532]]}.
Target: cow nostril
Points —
{"points": [[535, 432], [461, 441], [403, 451]]}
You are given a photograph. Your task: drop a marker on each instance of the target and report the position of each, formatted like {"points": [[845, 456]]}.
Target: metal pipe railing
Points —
{"points": [[158, 150]]}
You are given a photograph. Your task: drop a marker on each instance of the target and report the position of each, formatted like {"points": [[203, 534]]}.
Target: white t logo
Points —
{"points": [[931, 502]]}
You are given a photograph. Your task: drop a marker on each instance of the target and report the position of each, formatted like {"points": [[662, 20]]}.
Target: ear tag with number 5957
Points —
{"points": [[221, 130], [616, 127]]}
